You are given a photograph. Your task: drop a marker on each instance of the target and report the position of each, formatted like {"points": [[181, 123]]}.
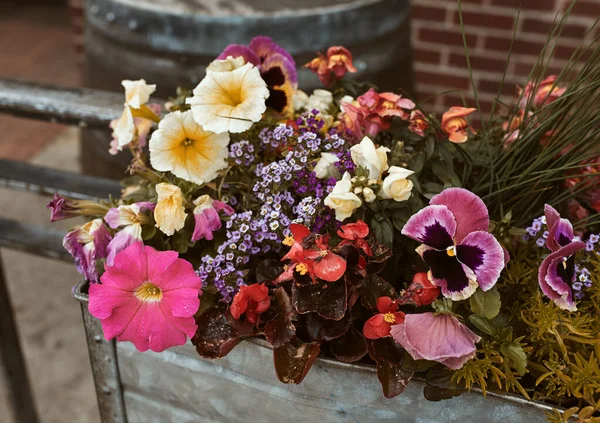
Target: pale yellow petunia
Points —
{"points": [[169, 212]]}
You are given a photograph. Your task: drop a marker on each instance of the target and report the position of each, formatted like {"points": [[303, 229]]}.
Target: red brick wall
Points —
{"points": [[440, 63]]}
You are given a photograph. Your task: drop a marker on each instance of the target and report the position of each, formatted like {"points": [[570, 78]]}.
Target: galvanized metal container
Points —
{"points": [[179, 386], [170, 42]]}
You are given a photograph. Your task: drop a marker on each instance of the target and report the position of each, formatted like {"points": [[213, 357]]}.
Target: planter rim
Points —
{"points": [[83, 297]]}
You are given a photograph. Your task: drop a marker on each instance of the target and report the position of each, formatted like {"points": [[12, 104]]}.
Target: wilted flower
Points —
{"points": [[326, 168], [396, 185], [460, 252], [546, 92], [455, 125], [65, 208], [169, 212], [420, 292], [373, 159], [87, 244], [148, 297], [188, 151], [252, 300], [206, 216], [229, 101], [315, 259], [130, 218], [333, 66], [436, 337], [380, 325], [417, 123], [342, 200], [557, 272]]}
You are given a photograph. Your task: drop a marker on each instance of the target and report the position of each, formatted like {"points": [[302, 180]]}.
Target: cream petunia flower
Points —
{"points": [[226, 65], [229, 101], [169, 212], [185, 149], [137, 92], [123, 128]]}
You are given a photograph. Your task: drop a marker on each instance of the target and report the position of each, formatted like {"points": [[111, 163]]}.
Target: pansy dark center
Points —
{"points": [[566, 269]]}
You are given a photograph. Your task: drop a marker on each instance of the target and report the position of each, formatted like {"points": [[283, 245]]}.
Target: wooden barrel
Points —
{"points": [[169, 42]]}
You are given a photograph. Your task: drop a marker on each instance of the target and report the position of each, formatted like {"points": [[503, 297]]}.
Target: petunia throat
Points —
{"points": [[148, 292]]}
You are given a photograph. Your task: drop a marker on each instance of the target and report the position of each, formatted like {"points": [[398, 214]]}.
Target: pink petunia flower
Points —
{"points": [[206, 216], [148, 297], [436, 337]]}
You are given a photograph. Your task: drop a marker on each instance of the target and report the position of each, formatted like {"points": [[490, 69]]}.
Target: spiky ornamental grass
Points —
{"points": [[522, 178]]}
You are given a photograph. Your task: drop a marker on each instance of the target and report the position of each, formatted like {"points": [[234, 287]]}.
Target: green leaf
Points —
{"points": [[148, 232], [483, 324], [430, 146], [486, 304], [516, 356], [383, 231], [417, 164]]}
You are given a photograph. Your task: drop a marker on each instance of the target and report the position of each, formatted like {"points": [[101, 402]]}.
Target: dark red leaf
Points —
{"points": [[218, 332], [268, 270], [321, 329], [328, 299], [439, 384], [393, 378], [280, 329], [294, 359], [374, 288], [350, 347]]}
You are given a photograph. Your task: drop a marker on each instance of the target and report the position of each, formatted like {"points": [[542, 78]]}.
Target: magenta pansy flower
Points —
{"points": [[147, 297], [87, 244], [206, 216], [557, 272], [456, 245], [436, 337]]}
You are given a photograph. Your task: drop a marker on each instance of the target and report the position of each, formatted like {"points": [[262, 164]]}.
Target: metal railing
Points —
{"points": [[81, 107]]}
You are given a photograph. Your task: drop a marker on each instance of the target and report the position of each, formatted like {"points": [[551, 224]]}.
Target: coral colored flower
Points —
{"points": [[386, 104], [169, 212], [130, 218], [277, 68], [187, 150], [455, 125], [436, 337], [206, 216], [342, 200], [373, 159], [137, 94], [252, 300], [421, 291], [396, 185], [417, 123], [229, 101], [557, 271], [511, 128], [65, 208], [380, 325], [148, 297], [314, 259], [333, 66], [87, 244], [546, 92], [355, 234], [460, 252]]}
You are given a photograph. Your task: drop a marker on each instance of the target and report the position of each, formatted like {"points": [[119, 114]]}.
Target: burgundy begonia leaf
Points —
{"points": [[268, 270], [321, 329], [280, 329], [381, 254], [294, 359], [439, 384], [391, 373], [350, 347], [218, 332], [375, 287], [328, 299]]}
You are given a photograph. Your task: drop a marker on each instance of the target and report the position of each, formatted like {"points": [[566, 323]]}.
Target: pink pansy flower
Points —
{"points": [[557, 272], [456, 245], [88, 244], [436, 337], [147, 297], [206, 216], [130, 218]]}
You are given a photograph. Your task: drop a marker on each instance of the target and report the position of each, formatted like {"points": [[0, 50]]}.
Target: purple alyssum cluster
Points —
{"points": [[242, 153]]}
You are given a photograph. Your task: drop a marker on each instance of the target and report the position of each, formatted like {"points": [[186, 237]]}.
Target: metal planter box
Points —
{"points": [[179, 386]]}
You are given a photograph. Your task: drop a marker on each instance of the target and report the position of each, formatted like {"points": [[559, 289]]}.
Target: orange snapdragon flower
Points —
{"points": [[455, 125], [333, 66], [417, 123]]}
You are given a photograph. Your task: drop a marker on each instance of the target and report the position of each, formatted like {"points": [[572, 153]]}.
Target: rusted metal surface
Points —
{"points": [[178, 385], [105, 366], [12, 360], [73, 106]]}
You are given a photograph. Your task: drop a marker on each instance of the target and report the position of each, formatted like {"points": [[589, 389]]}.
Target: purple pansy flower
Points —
{"points": [[206, 215], [456, 245], [87, 244], [557, 271]]}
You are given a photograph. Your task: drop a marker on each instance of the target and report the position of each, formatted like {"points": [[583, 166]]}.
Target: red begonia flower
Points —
{"points": [[380, 325], [252, 300]]}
